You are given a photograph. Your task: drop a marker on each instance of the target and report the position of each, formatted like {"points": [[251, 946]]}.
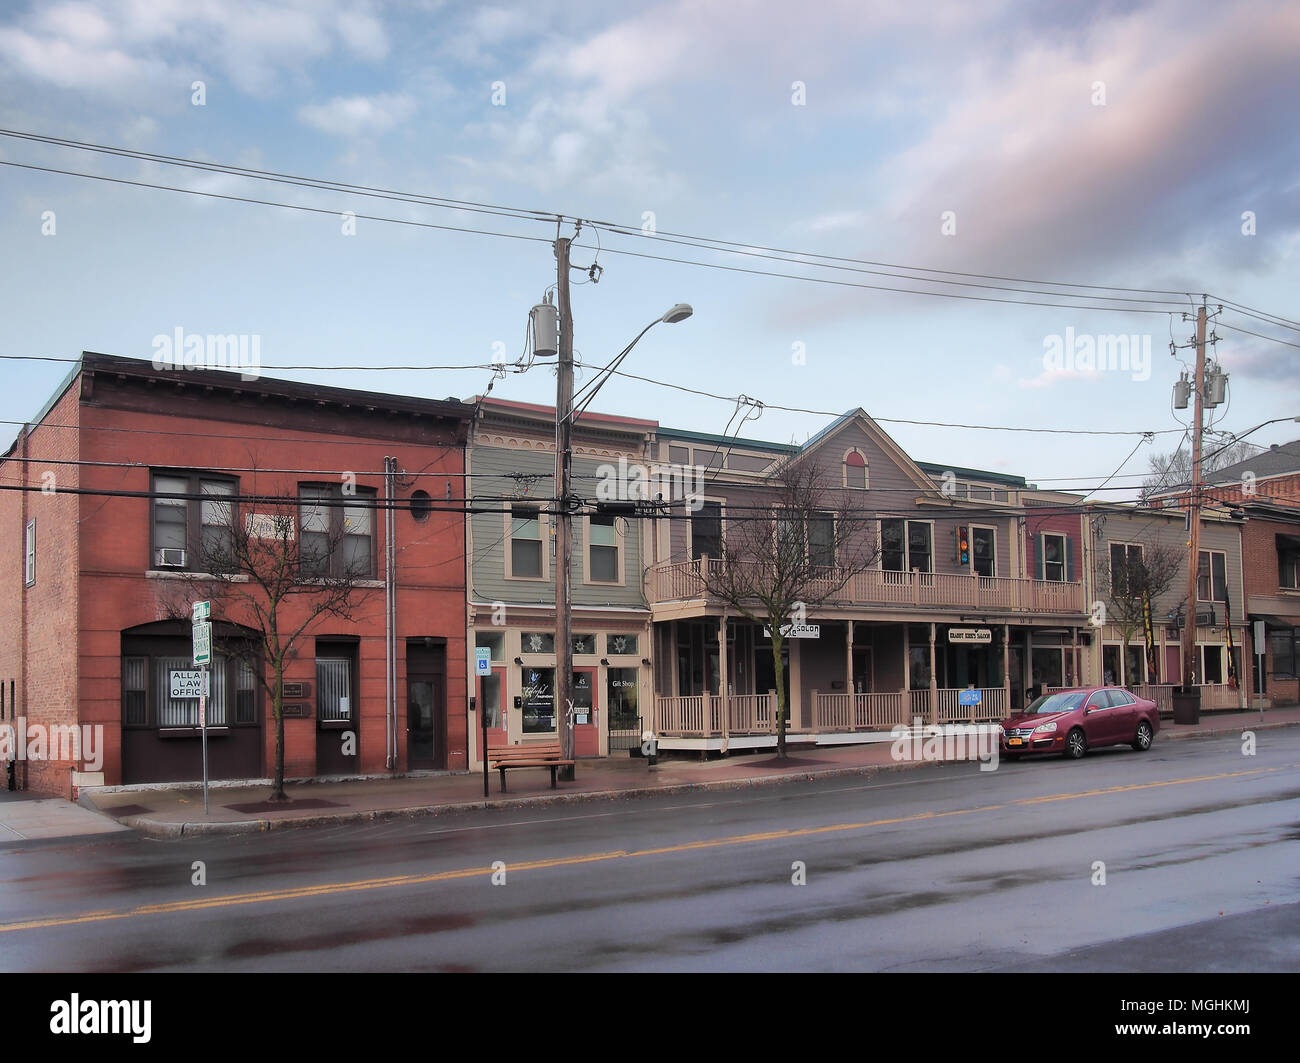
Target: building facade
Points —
{"points": [[1148, 658], [134, 481], [1271, 551], [511, 579], [973, 586]]}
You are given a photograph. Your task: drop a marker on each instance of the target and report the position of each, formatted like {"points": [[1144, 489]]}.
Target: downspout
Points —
{"points": [[389, 677]]}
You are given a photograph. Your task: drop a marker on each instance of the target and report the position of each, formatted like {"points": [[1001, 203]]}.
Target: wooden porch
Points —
{"points": [[710, 721]]}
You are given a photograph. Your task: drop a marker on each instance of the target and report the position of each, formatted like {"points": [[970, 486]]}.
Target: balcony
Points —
{"points": [[683, 581]]}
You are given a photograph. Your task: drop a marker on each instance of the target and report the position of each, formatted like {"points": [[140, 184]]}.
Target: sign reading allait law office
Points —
{"points": [[977, 635]]}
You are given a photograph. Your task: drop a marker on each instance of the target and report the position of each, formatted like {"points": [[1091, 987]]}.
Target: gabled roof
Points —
{"points": [[1276, 461], [881, 438]]}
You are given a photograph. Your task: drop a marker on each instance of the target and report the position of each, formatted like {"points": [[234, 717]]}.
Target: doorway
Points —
{"points": [[586, 712], [426, 715]]}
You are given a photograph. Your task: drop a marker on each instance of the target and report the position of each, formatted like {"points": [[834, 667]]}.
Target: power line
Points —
{"points": [[555, 217], [900, 420], [274, 203]]}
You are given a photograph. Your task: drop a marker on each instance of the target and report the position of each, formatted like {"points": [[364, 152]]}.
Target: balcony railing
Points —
{"points": [[686, 581]]}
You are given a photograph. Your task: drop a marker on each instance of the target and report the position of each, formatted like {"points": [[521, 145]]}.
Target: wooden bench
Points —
{"points": [[529, 755]]}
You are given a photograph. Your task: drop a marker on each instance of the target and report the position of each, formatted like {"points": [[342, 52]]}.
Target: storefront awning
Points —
{"points": [[1274, 623]]}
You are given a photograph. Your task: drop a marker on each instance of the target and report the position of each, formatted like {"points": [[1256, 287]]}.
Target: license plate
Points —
{"points": [[1014, 742]]}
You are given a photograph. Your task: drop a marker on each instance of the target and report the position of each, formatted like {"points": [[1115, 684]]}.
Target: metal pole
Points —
{"points": [[1194, 508], [203, 728], [482, 713], [564, 519]]}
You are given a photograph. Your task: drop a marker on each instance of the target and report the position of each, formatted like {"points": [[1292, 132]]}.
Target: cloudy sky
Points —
{"points": [[1134, 146]]}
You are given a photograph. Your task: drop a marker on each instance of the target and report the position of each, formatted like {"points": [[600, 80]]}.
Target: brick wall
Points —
{"points": [[39, 622], [1259, 555]]}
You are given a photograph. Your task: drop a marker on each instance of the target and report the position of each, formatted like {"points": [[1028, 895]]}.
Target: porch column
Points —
{"points": [[723, 675], [934, 682], [848, 661], [1074, 656], [1006, 668], [1029, 662]]}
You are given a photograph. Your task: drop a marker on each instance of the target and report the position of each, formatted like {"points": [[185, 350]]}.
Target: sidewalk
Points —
{"points": [[176, 811]]}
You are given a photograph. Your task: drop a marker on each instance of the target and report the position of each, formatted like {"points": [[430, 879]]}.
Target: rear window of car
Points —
{"points": [[1056, 703]]}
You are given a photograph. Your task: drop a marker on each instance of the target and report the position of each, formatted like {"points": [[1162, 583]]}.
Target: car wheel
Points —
{"points": [[1143, 740], [1076, 744]]}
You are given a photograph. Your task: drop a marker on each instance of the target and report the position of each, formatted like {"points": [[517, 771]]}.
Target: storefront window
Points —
{"points": [[538, 700], [537, 642], [621, 644]]}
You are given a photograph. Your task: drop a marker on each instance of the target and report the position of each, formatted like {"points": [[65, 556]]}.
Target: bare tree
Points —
{"points": [[1173, 471], [796, 549], [1131, 584], [260, 573]]}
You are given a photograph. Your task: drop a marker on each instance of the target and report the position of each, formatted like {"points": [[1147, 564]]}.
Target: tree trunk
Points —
{"points": [[277, 710], [779, 669]]}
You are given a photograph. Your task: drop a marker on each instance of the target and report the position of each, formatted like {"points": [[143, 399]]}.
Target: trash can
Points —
{"points": [[1187, 705]]}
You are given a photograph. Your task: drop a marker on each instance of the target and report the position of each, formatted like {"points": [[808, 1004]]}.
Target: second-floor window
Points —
{"points": [[526, 561], [1288, 562], [1125, 567], [602, 549], [194, 533], [906, 545], [336, 532], [706, 531], [1053, 558], [29, 554], [821, 539], [983, 551], [1212, 577]]}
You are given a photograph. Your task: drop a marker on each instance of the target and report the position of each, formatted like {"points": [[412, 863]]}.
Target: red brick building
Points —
{"points": [[131, 476], [1271, 555]]}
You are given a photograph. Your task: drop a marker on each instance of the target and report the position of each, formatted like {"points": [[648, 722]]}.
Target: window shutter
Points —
{"points": [[1069, 560], [1039, 555]]}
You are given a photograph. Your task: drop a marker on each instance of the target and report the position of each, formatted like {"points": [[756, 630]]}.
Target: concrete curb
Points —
{"points": [[189, 829], [166, 829]]}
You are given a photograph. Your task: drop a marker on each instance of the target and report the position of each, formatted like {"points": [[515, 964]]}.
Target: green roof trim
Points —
{"points": [[972, 474], [671, 434]]}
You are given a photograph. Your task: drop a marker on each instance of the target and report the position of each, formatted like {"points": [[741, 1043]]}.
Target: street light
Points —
{"points": [[565, 416], [677, 312]]}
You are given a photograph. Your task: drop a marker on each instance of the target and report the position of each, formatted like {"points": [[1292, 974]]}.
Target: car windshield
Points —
{"points": [[1056, 703]]}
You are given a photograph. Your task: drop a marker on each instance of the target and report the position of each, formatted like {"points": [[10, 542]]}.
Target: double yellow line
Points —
{"points": [[329, 889]]}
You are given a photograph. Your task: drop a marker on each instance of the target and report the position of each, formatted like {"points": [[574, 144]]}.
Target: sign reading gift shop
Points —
{"points": [[796, 631], [970, 635]]}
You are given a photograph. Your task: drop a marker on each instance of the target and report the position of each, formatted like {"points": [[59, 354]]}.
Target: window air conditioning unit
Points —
{"points": [[170, 558]]}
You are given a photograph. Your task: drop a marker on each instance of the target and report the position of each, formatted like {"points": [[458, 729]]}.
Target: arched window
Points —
{"points": [[855, 470]]}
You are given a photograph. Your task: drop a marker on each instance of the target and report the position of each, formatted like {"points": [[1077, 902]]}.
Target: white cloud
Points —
{"points": [[351, 116]]}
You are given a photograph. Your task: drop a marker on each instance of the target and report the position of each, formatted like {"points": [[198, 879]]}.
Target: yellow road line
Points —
{"points": [[328, 889]]}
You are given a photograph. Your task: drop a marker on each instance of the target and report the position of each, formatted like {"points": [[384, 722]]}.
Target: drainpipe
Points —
{"points": [[389, 677]]}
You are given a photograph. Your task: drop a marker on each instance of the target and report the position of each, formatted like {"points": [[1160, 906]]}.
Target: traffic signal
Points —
{"points": [[963, 546]]}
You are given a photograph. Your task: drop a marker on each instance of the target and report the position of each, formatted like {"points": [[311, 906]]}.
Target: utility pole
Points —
{"points": [[564, 517], [1194, 524]]}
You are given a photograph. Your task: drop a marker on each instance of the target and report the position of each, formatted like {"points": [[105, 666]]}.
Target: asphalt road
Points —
{"points": [[935, 868]]}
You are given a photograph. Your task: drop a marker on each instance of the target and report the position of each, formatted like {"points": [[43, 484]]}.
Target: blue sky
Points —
{"points": [[689, 112]]}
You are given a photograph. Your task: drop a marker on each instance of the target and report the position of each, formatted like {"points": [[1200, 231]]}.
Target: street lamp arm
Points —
{"points": [[678, 312]]}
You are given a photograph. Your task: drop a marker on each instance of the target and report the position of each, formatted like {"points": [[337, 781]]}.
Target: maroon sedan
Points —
{"points": [[1073, 721]]}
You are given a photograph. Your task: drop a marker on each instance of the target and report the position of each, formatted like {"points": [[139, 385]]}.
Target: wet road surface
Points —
{"points": [[935, 868]]}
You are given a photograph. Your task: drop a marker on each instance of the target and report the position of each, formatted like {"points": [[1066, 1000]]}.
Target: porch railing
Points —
{"points": [[700, 715], [992, 705], [857, 712], [686, 581], [1214, 696]]}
